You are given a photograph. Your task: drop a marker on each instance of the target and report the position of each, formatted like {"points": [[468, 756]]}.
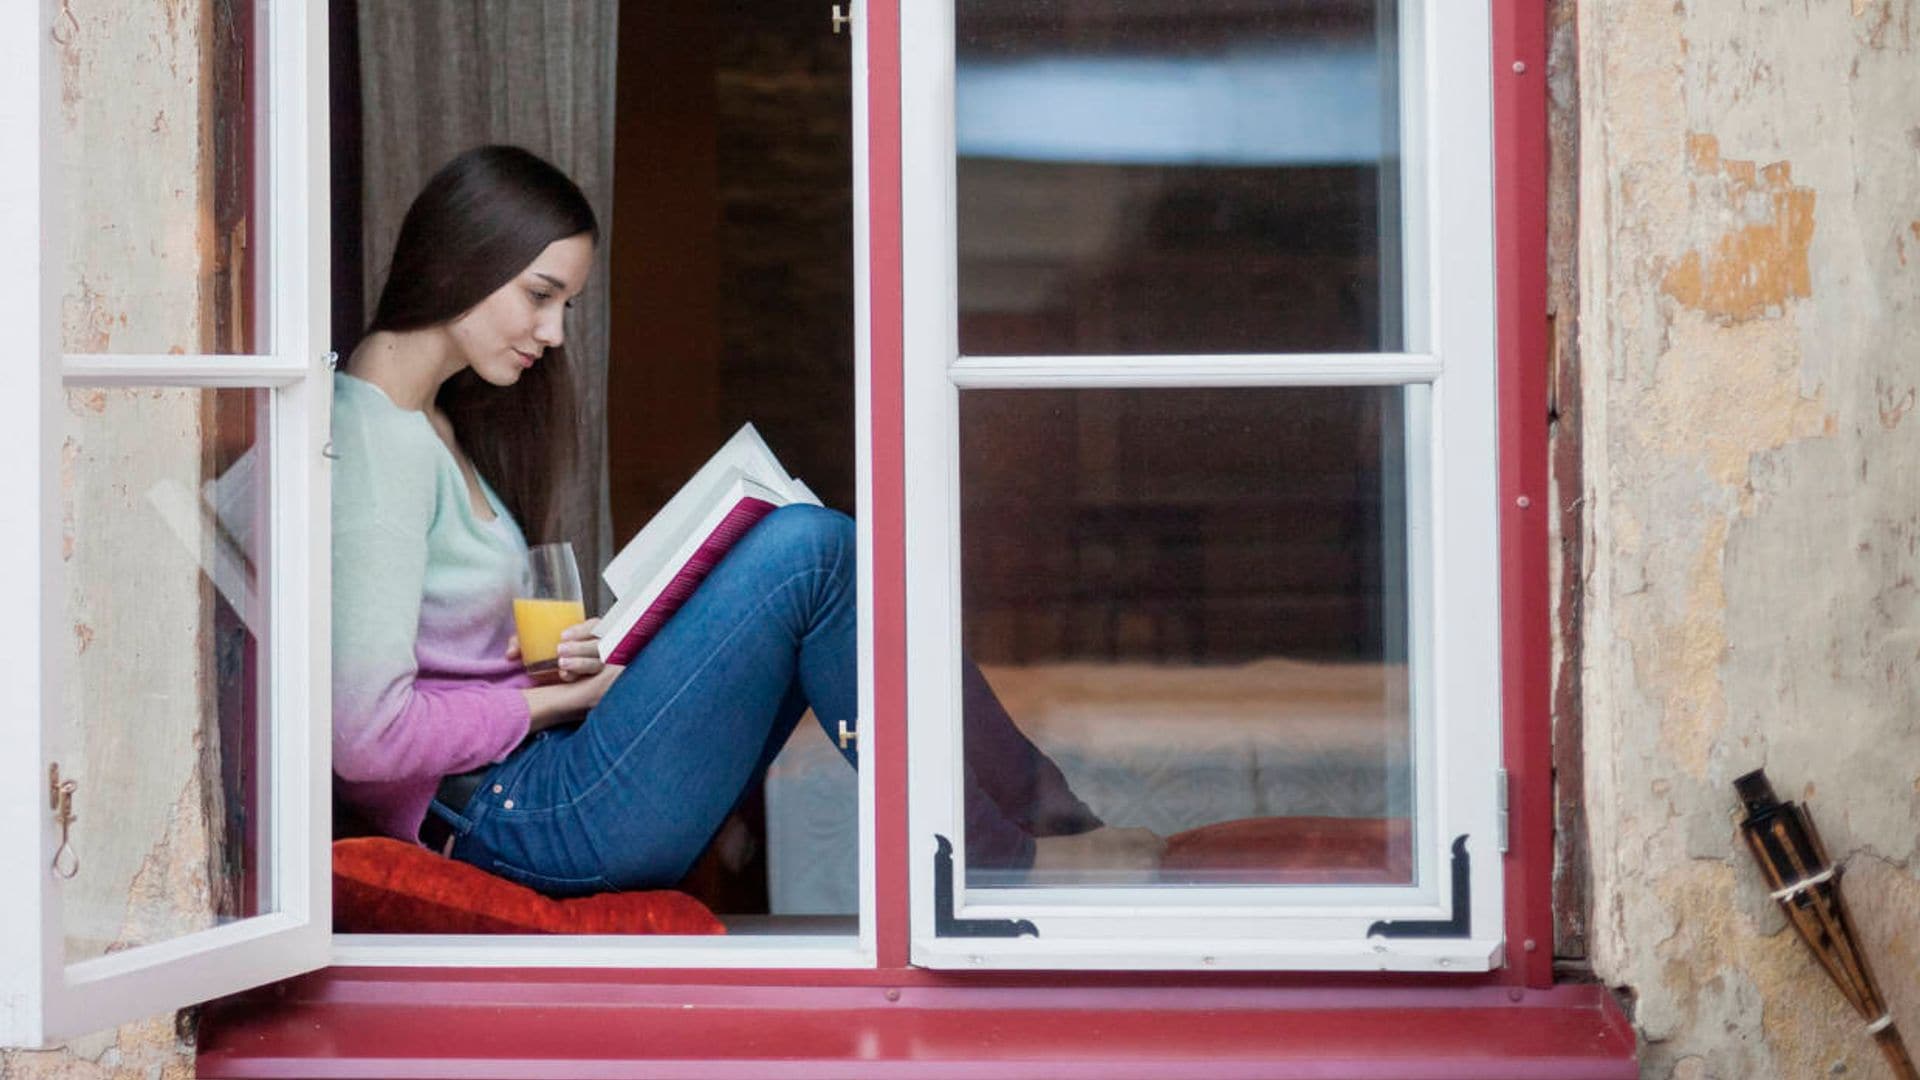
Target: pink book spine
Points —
{"points": [[744, 516]]}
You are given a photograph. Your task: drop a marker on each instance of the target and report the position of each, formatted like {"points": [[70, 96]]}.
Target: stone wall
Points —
{"points": [[1749, 201]]}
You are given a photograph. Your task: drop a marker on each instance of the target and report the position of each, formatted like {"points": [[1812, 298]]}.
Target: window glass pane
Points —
{"points": [[1196, 177], [164, 536], [162, 168], [1195, 603]]}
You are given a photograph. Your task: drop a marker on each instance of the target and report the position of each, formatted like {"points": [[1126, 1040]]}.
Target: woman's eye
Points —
{"points": [[538, 296]]}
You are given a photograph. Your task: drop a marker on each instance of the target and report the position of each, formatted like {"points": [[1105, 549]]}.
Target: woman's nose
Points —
{"points": [[550, 331]]}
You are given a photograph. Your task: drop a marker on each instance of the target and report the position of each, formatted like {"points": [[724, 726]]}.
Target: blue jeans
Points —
{"points": [[630, 797]]}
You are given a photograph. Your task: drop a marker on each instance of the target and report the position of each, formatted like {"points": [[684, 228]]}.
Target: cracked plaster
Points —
{"points": [[1748, 187]]}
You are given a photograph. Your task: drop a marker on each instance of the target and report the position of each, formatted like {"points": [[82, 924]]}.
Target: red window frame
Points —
{"points": [[395, 1021]]}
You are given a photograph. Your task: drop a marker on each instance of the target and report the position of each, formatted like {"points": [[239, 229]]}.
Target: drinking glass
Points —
{"points": [[548, 602]]}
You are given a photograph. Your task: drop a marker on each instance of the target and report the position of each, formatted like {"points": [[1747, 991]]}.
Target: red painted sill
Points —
{"points": [[471, 1025]]}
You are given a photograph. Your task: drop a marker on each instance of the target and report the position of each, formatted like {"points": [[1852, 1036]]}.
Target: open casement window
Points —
{"points": [[167, 543], [1200, 439]]}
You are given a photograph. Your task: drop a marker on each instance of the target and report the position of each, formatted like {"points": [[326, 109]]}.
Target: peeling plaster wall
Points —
{"points": [[1749, 256], [131, 123]]}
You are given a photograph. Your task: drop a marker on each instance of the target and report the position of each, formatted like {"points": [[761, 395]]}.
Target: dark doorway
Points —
{"points": [[732, 270]]}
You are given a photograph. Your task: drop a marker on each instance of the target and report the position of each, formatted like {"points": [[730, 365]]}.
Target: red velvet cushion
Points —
{"points": [[386, 886], [1293, 851]]}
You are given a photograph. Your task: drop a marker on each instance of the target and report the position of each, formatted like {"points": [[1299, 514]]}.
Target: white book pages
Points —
{"points": [[744, 455], [662, 566]]}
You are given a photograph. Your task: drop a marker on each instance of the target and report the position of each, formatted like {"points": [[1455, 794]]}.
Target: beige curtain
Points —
{"points": [[440, 76]]}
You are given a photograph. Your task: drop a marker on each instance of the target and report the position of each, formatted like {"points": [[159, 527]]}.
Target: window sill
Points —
{"points": [[472, 1024]]}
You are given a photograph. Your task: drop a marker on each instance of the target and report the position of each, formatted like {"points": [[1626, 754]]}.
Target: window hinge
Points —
{"points": [[333, 364], [1501, 811]]}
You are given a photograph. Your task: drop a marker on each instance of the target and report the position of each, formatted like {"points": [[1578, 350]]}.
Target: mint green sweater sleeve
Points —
{"points": [[422, 602]]}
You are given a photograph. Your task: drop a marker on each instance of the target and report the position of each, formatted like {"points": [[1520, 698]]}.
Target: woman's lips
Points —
{"points": [[526, 359]]}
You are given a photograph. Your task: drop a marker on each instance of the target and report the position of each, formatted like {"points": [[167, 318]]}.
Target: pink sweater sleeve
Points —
{"points": [[389, 722]]}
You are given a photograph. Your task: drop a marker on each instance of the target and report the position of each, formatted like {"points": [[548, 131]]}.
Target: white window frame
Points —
{"points": [[42, 997], [757, 951], [1454, 661], [56, 1002]]}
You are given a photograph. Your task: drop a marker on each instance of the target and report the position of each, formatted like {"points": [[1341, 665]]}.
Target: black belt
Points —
{"points": [[455, 792]]}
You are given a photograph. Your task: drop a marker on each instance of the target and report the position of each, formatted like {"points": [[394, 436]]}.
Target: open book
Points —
{"points": [[667, 559]]}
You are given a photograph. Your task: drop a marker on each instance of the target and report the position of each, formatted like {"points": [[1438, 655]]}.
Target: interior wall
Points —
{"points": [[733, 271], [663, 379], [733, 208], [784, 108], [1749, 263]]}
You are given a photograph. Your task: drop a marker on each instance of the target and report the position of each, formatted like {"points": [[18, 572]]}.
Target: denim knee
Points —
{"points": [[812, 535]]}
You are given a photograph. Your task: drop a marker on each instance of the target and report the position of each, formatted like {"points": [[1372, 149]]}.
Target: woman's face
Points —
{"points": [[505, 334]]}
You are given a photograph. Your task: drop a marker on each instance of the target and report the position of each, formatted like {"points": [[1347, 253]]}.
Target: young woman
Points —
{"points": [[452, 424]]}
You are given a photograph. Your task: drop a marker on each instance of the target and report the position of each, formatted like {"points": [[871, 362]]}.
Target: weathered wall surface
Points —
{"points": [[131, 122], [1750, 350]]}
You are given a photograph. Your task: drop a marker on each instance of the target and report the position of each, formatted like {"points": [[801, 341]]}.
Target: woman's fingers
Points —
{"points": [[579, 651], [513, 647]]}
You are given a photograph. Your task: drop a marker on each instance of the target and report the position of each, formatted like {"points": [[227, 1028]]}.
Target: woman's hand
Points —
{"points": [[563, 703], [579, 651]]}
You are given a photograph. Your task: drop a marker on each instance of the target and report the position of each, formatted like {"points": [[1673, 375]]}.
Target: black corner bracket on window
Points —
{"points": [[944, 922], [1460, 926]]}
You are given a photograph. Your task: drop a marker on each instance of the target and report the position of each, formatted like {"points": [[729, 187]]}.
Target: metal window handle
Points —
{"points": [[333, 364], [60, 800], [842, 17], [847, 735]]}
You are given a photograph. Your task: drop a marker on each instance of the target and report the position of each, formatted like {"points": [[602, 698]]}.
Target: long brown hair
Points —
{"points": [[478, 222]]}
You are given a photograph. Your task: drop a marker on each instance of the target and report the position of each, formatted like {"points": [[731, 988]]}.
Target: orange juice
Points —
{"points": [[539, 623]]}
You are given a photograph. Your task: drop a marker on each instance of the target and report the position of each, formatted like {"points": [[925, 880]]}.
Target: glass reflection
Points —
{"points": [[1194, 602], [166, 497], [1148, 178]]}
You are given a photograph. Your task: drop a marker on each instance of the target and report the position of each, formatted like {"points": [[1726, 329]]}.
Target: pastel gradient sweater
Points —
{"points": [[422, 611]]}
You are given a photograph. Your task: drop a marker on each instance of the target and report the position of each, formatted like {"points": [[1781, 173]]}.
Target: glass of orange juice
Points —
{"points": [[548, 602]]}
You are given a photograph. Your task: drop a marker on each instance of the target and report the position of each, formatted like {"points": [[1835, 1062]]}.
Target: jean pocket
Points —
{"points": [[551, 886]]}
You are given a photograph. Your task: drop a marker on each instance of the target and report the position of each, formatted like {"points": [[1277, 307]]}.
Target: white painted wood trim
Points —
{"points": [[1417, 206], [1302, 369], [1451, 521], [1221, 953], [863, 476], [294, 936], [930, 345], [1193, 901], [306, 206], [1429, 848], [106, 369], [31, 237], [1464, 464], [832, 952]]}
